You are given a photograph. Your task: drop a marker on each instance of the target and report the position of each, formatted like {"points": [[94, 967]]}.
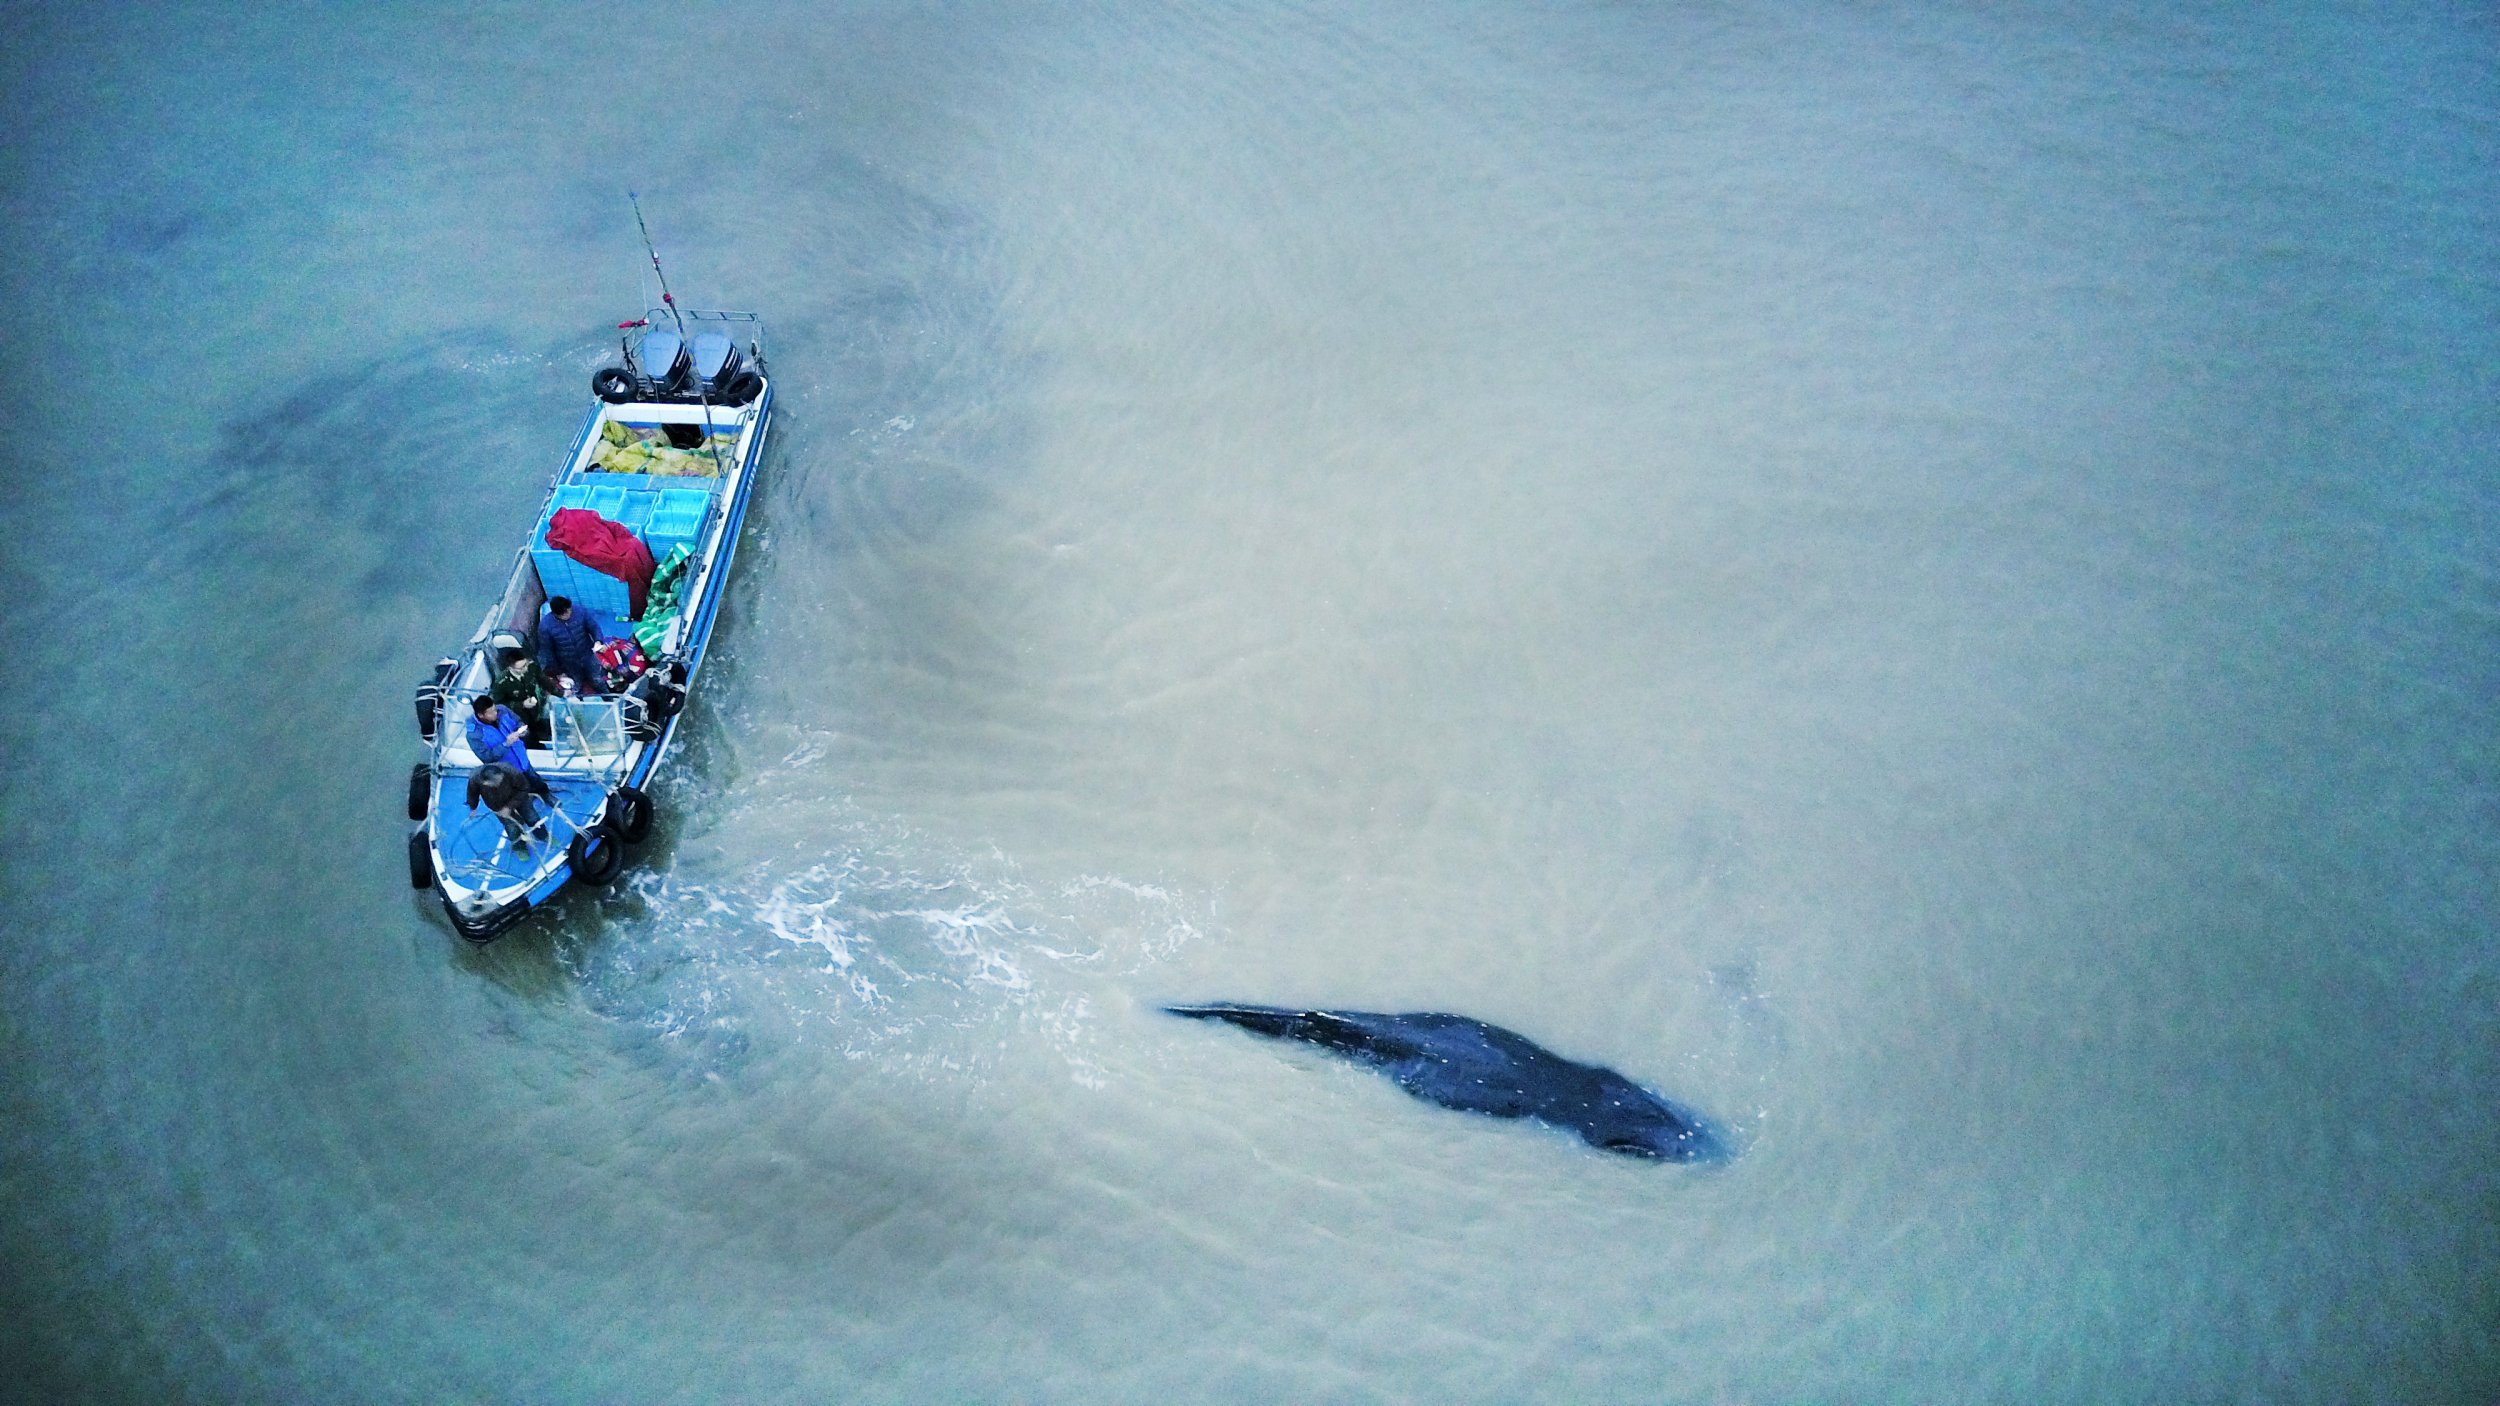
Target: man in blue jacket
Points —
{"points": [[498, 734], [505, 780], [568, 645]]}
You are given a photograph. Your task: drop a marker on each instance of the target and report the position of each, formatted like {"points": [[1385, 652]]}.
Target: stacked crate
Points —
{"points": [[664, 518], [677, 519], [563, 576]]}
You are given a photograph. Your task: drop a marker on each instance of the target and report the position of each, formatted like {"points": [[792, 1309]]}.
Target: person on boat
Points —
{"points": [[568, 647], [508, 793], [497, 734], [521, 689]]}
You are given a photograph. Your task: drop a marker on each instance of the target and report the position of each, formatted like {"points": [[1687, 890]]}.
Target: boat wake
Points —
{"points": [[874, 944]]}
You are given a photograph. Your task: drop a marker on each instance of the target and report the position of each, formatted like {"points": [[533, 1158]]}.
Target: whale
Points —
{"points": [[1474, 1067]]}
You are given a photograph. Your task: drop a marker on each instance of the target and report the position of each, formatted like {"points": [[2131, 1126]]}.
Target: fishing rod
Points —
{"points": [[666, 301]]}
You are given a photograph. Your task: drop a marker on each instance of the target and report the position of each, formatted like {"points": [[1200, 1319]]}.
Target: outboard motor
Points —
{"points": [[664, 360], [729, 378], [716, 360]]}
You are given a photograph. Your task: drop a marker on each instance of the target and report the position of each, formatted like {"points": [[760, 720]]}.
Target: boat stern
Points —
{"points": [[487, 880]]}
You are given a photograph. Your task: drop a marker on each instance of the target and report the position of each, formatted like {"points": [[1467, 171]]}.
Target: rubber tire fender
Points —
{"points": [[664, 702], [420, 860], [430, 696], [420, 791], [599, 867], [742, 388], [629, 814], [613, 384]]}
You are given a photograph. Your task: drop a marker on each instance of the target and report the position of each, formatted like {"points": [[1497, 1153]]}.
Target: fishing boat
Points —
{"points": [[666, 462]]}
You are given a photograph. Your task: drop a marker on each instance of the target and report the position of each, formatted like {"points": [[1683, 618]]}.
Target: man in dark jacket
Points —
{"points": [[507, 793], [568, 645]]}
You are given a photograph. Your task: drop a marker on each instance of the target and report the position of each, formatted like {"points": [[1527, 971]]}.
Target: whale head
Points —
{"points": [[1634, 1122]]}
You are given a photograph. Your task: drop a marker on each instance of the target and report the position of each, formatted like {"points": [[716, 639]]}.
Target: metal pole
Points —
{"points": [[666, 301]]}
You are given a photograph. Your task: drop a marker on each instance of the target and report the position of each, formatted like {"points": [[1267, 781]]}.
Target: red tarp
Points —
{"points": [[606, 547]]}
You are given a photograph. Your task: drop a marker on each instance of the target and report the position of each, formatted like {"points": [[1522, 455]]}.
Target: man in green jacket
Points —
{"points": [[522, 689]]}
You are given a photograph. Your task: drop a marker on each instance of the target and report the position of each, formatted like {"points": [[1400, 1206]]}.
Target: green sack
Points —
{"points": [[651, 629], [670, 573], [660, 604]]}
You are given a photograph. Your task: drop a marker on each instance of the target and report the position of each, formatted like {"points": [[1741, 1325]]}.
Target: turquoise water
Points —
{"points": [[1920, 580]]}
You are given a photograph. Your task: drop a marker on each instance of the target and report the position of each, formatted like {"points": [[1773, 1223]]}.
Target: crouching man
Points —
{"points": [[508, 793]]}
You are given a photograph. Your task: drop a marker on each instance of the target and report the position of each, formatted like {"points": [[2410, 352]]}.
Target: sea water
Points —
{"points": [[1919, 579]]}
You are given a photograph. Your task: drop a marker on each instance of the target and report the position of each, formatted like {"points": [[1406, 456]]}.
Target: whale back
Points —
{"points": [[1476, 1067]]}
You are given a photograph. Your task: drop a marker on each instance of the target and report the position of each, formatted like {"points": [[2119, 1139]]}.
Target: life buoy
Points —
{"points": [[420, 860], [613, 384], [629, 811], [597, 856], [420, 791]]}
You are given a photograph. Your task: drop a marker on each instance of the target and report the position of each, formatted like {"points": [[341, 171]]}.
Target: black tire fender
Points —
{"points": [[613, 384], [420, 791], [664, 702], [629, 814], [742, 388], [430, 696], [598, 856], [420, 860]]}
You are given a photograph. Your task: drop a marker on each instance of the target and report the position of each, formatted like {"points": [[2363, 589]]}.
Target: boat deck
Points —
{"points": [[474, 848]]}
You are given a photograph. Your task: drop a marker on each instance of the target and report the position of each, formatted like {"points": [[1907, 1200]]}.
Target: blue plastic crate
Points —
{"points": [[631, 483], [560, 575], [607, 500], [694, 502], [681, 517], [671, 527], [602, 593], [555, 569]]}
